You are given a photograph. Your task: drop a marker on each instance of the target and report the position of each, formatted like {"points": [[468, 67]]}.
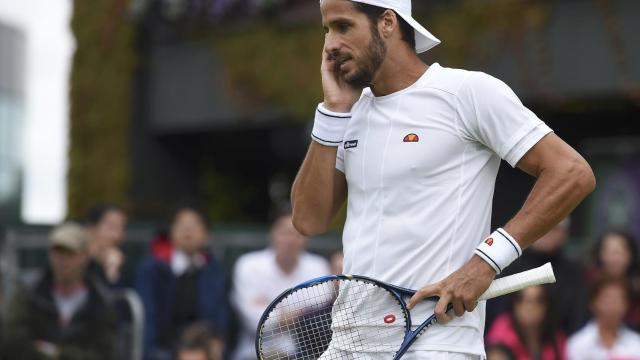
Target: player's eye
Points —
{"points": [[342, 27]]}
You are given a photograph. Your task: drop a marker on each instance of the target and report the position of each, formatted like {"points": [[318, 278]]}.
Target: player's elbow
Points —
{"points": [[307, 225], [589, 179], [584, 180]]}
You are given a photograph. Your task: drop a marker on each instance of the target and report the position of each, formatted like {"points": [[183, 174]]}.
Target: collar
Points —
{"points": [[181, 262]]}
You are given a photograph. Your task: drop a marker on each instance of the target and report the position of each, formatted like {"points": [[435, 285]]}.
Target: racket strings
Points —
{"points": [[333, 320]]}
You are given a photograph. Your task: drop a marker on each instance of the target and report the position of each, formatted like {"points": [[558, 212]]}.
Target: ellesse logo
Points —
{"points": [[411, 138], [489, 241]]}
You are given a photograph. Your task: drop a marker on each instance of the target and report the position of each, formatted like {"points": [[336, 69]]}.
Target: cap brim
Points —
{"points": [[64, 246], [424, 39]]}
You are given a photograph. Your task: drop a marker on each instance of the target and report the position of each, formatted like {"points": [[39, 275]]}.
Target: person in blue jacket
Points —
{"points": [[180, 283]]}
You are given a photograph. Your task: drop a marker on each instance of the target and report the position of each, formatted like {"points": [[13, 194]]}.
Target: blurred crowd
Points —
{"points": [[591, 312], [191, 309], [195, 311]]}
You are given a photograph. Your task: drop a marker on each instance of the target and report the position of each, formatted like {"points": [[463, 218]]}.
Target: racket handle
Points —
{"points": [[509, 284]]}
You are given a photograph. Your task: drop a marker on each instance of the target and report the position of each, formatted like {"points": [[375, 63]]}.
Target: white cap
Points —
{"points": [[424, 39], [70, 236]]}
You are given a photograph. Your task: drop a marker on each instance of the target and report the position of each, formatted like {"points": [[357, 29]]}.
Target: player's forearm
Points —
{"points": [[556, 193], [314, 191]]}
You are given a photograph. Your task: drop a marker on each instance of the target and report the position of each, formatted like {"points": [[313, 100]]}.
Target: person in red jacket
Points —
{"points": [[181, 282], [527, 329]]}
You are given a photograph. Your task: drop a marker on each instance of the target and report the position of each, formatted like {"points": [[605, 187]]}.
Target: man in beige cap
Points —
{"points": [[417, 149], [65, 315]]}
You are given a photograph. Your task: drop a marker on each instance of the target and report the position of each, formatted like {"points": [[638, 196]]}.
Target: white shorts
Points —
{"points": [[410, 355], [438, 355]]}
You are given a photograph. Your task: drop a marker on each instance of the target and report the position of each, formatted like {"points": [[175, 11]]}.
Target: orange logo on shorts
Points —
{"points": [[489, 241], [389, 319], [411, 138]]}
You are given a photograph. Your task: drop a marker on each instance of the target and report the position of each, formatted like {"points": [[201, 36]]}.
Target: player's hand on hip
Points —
{"points": [[339, 96], [461, 289]]}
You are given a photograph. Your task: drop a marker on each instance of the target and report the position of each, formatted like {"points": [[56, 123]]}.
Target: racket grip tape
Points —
{"points": [[509, 284]]}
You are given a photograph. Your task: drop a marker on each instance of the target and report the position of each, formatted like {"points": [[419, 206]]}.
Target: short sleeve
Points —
{"points": [[340, 159], [491, 113]]}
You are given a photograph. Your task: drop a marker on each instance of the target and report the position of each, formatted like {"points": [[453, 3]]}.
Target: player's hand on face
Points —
{"points": [[461, 289], [339, 96]]}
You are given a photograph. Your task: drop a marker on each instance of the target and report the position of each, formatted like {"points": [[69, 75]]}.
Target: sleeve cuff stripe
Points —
{"points": [[510, 242], [486, 257], [327, 141], [334, 116]]}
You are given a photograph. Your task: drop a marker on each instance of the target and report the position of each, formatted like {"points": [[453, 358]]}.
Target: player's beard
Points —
{"points": [[370, 62]]}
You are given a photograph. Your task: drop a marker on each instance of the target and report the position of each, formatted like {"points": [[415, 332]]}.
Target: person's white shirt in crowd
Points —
{"points": [[587, 345], [606, 337], [259, 277]]}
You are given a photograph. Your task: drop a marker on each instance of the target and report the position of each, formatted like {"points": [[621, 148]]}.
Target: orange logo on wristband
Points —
{"points": [[489, 241]]}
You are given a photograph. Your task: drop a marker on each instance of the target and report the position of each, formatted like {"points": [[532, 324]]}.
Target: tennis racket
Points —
{"points": [[336, 316]]}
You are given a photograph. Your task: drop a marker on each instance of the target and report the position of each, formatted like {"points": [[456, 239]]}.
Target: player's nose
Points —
{"points": [[332, 43]]}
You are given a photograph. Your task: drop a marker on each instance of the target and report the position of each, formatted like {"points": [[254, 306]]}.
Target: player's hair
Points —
{"points": [[375, 12], [630, 242], [96, 214]]}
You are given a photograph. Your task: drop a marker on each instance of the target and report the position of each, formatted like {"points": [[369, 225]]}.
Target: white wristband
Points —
{"points": [[329, 126], [499, 250]]}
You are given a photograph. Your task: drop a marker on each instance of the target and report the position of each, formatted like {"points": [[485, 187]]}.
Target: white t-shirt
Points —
{"points": [[70, 304], [421, 165], [257, 281], [586, 345]]}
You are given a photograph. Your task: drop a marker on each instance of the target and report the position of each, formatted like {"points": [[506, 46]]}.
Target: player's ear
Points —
{"points": [[387, 23]]}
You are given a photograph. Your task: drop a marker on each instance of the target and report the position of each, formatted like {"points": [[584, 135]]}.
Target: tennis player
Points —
{"points": [[417, 149]]}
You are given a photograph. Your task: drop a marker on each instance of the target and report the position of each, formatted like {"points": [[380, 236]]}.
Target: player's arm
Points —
{"points": [[319, 190], [564, 179]]}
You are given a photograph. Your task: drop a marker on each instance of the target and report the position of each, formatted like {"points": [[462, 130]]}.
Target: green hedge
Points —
{"points": [[101, 90], [274, 63]]}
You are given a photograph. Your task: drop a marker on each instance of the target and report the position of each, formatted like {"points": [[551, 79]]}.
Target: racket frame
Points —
{"points": [[397, 292], [537, 276]]}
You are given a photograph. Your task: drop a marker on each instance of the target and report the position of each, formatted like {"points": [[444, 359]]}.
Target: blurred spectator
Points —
{"points": [[569, 294], [259, 277], [66, 315], [200, 342], [527, 330], [606, 337], [336, 262], [180, 282], [615, 255], [105, 226], [499, 352]]}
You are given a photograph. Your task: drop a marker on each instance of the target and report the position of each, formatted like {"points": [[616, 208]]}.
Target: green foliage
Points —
{"points": [[101, 91], [276, 64], [468, 27]]}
